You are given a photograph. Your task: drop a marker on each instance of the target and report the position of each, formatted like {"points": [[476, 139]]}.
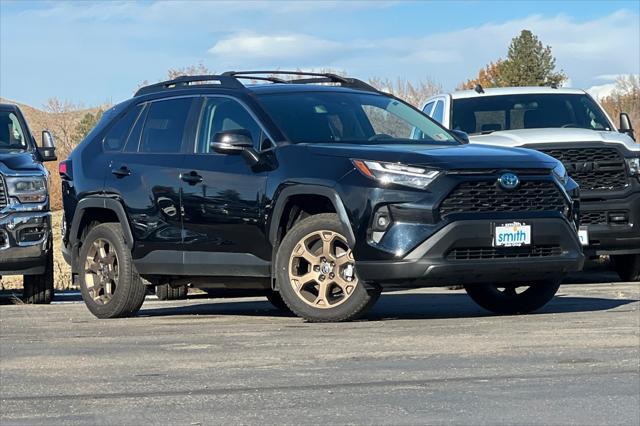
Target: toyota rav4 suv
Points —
{"points": [[570, 126], [25, 220], [321, 190]]}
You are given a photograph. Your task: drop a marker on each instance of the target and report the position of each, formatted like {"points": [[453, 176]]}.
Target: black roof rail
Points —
{"points": [[316, 77], [187, 80]]}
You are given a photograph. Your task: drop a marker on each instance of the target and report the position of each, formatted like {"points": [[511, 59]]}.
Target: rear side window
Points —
{"points": [[117, 135], [164, 127]]}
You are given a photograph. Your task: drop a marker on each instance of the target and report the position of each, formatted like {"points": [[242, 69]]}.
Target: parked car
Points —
{"points": [[321, 190], [569, 125], [25, 220]]}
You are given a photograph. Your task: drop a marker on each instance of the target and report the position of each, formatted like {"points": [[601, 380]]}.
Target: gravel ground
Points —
{"points": [[420, 357]]}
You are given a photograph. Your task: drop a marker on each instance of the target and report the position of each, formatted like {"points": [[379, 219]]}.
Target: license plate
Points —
{"points": [[512, 235], [583, 236]]}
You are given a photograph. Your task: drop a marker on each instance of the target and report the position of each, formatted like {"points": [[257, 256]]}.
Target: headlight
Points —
{"points": [[388, 173], [634, 166], [561, 173], [27, 189]]}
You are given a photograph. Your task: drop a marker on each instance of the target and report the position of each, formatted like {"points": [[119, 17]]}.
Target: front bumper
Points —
{"points": [[462, 253], [606, 236], [24, 257]]}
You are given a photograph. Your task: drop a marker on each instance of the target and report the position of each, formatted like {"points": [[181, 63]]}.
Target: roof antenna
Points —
{"points": [[478, 88]]}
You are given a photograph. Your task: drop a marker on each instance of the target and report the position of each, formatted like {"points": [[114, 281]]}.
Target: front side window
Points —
{"points": [[350, 117], [222, 115], [486, 114], [12, 135], [438, 112], [164, 127]]}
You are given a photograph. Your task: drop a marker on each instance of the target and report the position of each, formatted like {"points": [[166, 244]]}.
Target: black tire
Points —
{"points": [[129, 293], [351, 307], [627, 266], [275, 299], [490, 297], [166, 292], [38, 289]]}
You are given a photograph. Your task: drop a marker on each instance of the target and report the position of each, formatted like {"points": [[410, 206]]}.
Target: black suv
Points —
{"points": [[25, 220], [321, 190]]}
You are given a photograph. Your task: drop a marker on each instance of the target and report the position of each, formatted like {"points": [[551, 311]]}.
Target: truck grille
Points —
{"points": [[488, 197], [3, 195], [477, 253], [593, 168], [593, 218]]}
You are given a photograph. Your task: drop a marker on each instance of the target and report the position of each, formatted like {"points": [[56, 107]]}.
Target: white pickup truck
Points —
{"points": [[569, 125]]}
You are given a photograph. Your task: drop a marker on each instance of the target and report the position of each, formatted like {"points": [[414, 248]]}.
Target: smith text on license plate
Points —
{"points": [[512, 235]]}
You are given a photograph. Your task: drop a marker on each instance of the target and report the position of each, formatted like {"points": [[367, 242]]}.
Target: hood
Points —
{"points": [[19, 161], [569, 135], [444, 157]]}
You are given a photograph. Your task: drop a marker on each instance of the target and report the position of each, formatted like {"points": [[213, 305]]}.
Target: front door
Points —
{"points": [[223, 198]]}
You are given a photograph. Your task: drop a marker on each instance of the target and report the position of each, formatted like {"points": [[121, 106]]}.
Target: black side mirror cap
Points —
{"points": [[237, 141], [47, 151], [460, 135], [625, 125]]}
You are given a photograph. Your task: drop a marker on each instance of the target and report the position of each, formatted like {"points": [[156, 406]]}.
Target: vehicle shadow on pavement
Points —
{"points": [[394, 306]]}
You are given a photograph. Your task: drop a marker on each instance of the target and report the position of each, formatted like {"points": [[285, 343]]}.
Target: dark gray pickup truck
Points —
{"points": [[26, 246]]}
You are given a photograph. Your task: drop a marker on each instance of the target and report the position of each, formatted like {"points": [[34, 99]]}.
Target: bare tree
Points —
{"points": [[624, 98], [415, 93], [62, 122]]}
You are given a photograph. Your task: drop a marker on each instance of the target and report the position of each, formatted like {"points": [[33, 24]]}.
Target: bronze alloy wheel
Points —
{"points": [[101, 271], [322, 269]]}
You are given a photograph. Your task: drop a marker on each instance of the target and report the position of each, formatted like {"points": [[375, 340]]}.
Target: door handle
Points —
{"points": [[121, 172], [191, 178]]}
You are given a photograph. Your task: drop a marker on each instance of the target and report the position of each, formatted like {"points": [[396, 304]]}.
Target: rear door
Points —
{"points": [[145, 174]]}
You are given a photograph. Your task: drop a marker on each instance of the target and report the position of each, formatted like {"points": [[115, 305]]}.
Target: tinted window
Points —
{"points": [[438, 112], [116, 136], [485, 114], [164, 126], [12, 136], [427, 108], [221, 115], [350, 117], [133, 141]]}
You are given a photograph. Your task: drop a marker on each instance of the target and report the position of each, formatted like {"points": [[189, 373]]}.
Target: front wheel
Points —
{"points": [[38, 289], [627, 266], [315, 271], [512, 299]]}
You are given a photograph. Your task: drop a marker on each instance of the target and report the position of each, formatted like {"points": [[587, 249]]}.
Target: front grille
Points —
{"points": [[593, 168], [3, 194], [488, 197], [479, 253], [593, 218]]}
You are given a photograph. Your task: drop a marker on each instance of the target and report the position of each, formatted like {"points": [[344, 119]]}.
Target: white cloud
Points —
{"points": [[602, 90], [281, 46]]}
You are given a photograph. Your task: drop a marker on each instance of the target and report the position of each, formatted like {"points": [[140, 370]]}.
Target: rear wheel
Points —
{"points": [[166, 292], [38, 289], [109, 282], [512, 299], [627, 266], [316, 272]]}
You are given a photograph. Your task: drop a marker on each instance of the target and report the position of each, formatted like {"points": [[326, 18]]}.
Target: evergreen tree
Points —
{"points": [[529, 63], [85, 125]]}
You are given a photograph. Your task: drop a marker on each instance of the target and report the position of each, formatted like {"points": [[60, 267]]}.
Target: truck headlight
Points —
{"points": [[634, 166], [394, 173], [561, 173], [27, 189]]}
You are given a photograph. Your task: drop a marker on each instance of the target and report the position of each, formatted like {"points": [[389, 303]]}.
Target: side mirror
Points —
{"points": [[48, 150], [625, 125], [462, 136], [237, 141]]}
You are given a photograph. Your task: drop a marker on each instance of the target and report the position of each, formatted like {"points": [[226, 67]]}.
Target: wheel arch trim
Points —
{"points": [[283, 197], [103, 203]]}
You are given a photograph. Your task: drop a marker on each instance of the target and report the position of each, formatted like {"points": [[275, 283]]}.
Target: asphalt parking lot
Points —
{"points": [[420, 357]]}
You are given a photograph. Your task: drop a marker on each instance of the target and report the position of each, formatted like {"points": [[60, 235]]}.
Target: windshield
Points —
{"points": [[486, 114], [12, 136], [349, 117]]}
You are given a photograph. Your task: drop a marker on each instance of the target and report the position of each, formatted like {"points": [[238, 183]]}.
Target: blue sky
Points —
{"points": [[95, 52]]}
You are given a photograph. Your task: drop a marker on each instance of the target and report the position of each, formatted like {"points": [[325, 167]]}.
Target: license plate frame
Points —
{"points": [[513, 234]]}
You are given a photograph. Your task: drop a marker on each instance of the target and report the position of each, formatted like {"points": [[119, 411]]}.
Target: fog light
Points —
{"points": [[381, 219]]}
